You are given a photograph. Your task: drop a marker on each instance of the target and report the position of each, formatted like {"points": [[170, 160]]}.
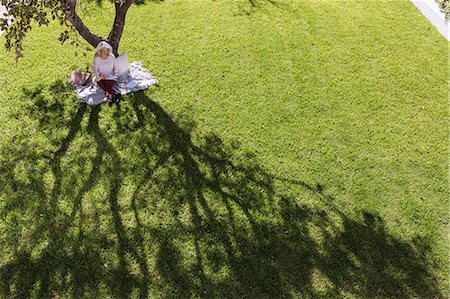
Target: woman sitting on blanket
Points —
{"points": [[105, 69]]}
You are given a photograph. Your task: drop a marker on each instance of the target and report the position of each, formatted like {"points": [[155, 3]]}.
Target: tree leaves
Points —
{"points": [[20, 17], [445, 7]]}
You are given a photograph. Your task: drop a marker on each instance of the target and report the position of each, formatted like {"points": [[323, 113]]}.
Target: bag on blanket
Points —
{"points": [[80, 78]]}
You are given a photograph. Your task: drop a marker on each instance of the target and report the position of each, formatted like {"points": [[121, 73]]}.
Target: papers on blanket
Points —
{"points": [[132, 84], [112, 77]]}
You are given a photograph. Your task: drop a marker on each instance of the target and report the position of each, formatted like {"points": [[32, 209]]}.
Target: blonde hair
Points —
{"points": [[103, 45]]}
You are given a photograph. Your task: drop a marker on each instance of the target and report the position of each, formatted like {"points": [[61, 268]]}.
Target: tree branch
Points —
{"points": [[68, 7], [119, 23]]}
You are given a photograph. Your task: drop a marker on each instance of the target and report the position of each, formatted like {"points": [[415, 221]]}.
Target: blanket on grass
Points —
{"points": [[137, 78]]}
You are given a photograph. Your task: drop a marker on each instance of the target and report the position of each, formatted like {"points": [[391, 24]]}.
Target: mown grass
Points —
{"points": [[292, 149]]}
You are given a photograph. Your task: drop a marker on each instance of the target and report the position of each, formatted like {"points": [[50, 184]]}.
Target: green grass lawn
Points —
{"points": [[292, 149]]}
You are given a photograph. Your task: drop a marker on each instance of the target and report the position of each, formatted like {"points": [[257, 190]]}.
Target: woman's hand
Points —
{"points": [[102, 77]]}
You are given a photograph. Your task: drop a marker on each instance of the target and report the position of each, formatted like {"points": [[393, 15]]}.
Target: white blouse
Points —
{"points": [[106, 67]]}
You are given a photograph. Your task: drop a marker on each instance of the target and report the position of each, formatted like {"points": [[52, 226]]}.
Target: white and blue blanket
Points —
{"points": [[137, 78]]}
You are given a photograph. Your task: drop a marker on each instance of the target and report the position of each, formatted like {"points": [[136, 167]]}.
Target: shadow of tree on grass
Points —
{"points": [[132, 201]]}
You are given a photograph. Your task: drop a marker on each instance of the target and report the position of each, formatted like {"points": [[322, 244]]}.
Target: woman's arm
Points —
{"points": [[96, 68], [115, 68]]}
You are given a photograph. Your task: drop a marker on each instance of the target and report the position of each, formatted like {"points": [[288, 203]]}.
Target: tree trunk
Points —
{"points": [[119, 23], [121, 8]]}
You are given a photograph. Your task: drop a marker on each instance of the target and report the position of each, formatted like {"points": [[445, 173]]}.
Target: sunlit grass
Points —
{"points": [[295, 149]]}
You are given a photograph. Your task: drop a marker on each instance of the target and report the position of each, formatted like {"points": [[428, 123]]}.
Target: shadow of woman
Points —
{"points": [[137, 202]]}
